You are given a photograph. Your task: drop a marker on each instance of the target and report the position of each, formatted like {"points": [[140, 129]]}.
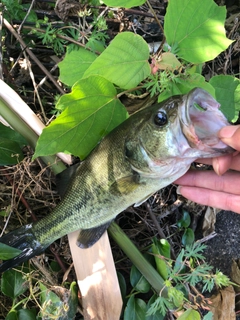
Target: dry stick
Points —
{"points": [[160, 25], [33, 57], [21, 197], [27, 14], [159, 229], [34, 85]]}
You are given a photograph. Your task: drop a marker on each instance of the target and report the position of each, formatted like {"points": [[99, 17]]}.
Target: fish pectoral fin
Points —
{"points": [[125, 185], [63, 178], [137, 204], [87, 237]]}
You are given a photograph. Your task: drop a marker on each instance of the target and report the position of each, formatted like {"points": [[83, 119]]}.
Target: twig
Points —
{"points": [[33, 57], [25, 18], [34, 85], [159, 229], [21, 197]]}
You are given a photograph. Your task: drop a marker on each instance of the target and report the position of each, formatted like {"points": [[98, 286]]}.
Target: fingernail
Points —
{"points": [[179, 190], [216, 167], [227, 132]]}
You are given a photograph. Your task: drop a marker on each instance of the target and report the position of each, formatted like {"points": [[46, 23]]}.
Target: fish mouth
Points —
{"points": [[201, 120]]}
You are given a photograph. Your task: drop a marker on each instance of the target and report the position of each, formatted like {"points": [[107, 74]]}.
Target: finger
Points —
{"points": [[223, 163], [229, 182], [231, 136], [211, 198]]}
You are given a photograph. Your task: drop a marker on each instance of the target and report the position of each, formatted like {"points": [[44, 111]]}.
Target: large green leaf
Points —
{"points": [[12, 315], [10, 152], [124, 3], [135, 309], [138, 281], [91, 111], [161, 248], [184, 85], [225, 91], [13, 284], [74, 65], [10, 146], [196, 29], [124, 62], [8, 133], [25, 314], [7, 252]]}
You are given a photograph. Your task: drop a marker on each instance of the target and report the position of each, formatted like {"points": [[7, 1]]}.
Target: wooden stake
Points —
{"points": [[97, 279]]}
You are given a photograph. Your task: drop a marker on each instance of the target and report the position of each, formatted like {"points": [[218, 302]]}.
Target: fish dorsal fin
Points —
{"points": [[63, 178], [87, 237]]}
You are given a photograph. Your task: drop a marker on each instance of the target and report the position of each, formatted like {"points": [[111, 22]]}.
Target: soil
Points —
{"points": [[225, 246]]}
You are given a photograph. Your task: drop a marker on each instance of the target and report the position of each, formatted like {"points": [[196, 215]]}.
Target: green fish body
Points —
{"points": [[147, 152]]}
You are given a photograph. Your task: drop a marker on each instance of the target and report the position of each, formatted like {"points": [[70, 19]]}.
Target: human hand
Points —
{"points": [[219, 189]]}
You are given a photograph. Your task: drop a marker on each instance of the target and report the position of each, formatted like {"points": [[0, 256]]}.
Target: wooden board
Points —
{"points": [[97, 279]]}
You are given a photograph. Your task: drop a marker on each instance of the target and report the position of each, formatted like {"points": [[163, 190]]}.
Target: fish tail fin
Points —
{"points": [[24, 240]]}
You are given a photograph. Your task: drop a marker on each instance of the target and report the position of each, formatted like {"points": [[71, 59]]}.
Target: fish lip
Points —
{"points": [[191, 119], [195, 96]]}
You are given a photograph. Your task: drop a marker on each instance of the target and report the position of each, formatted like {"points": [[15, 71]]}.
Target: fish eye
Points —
{"points": [[160, 118]]}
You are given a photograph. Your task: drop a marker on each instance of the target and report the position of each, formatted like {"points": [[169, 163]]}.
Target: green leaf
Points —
{"points": [[124, 62], [10, 152], [122, 285], [197, 27], [185, 221], [75, 63], [8, 133], [225, 88], [156, 315], [135, 309], [188, 237], [161, 248], [123, 3], [13, 284], [176, 296], [12, 315], [25, 314], [51, 303], [184, 85], [138, 281], [7, 252], [237, 103], [190, 314], [91, 111], [72, 301], [179, 265], [11, 143]]}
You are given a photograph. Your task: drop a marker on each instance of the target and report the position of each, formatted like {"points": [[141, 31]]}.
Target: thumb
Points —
{"points": [[231, 136]]}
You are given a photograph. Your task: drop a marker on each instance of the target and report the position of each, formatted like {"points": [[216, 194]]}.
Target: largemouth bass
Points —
{"points": [[147, 152]]}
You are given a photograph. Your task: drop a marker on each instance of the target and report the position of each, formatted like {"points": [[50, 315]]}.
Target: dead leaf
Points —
{"points": [[223, 304], [209, 221]]}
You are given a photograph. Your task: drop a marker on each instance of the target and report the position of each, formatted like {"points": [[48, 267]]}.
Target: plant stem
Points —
{"points": [[147, 270], [20, 126]]}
